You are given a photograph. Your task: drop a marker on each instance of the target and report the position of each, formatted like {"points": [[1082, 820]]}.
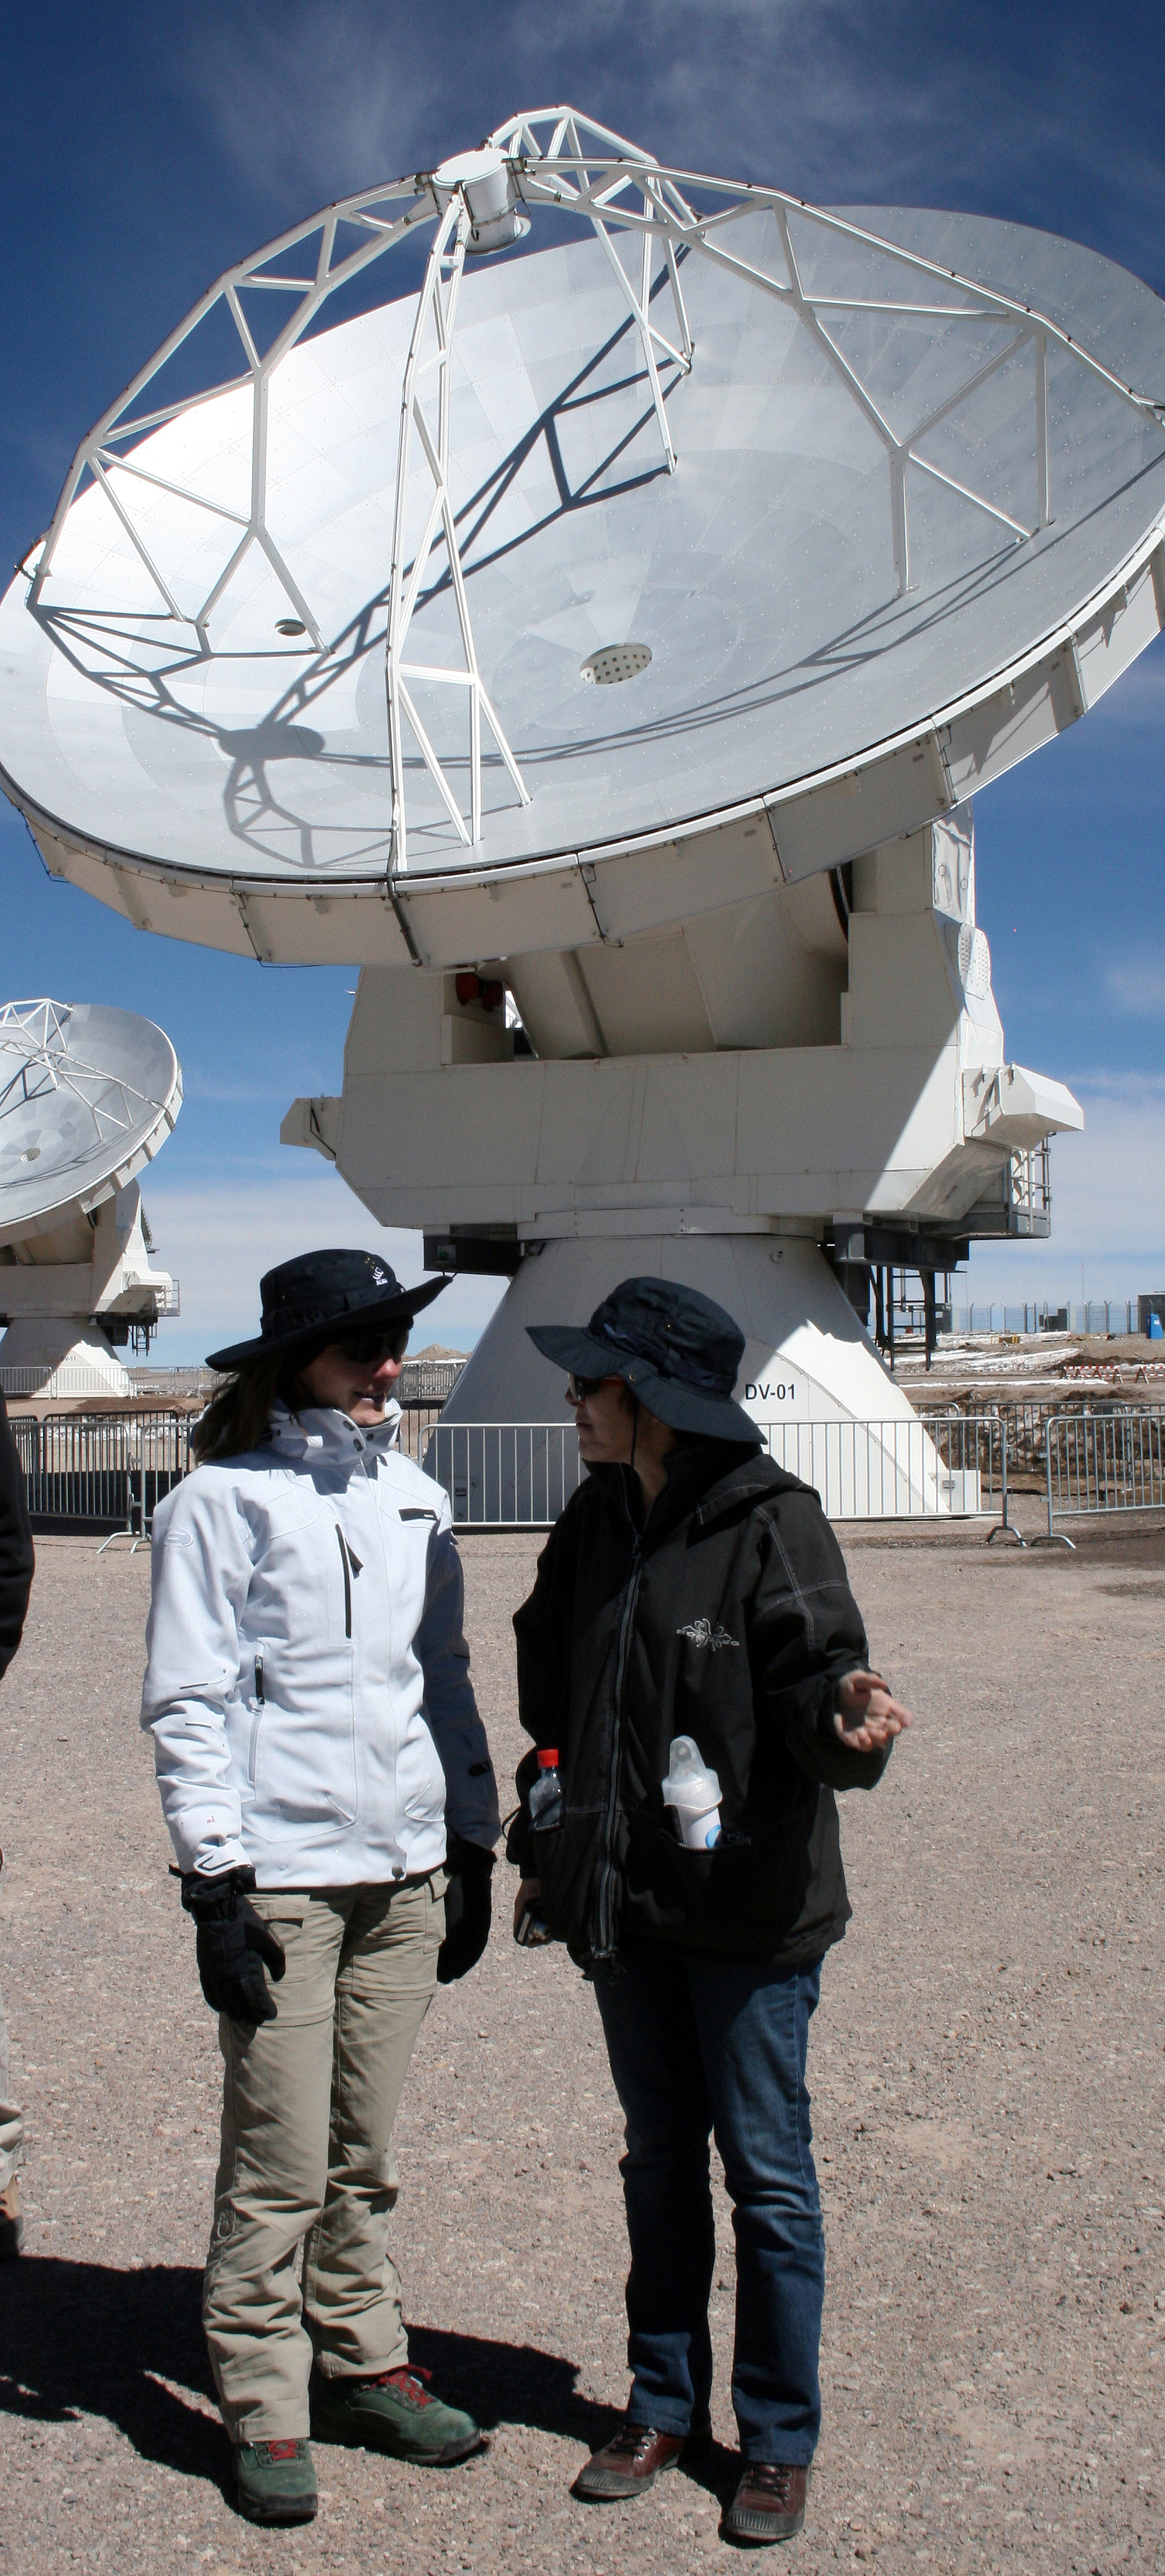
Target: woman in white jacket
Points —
{"points": [[329, 1793]]}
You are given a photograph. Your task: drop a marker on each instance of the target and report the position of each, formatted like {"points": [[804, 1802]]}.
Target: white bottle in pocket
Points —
{"points": [[694, 1792]]}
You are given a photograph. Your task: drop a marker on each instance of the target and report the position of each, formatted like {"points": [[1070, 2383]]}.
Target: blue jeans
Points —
{"points": [[698, 2045]]}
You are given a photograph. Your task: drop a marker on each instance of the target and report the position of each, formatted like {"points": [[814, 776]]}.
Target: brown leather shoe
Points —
{"points": [[633, 2461], [769, 2504]]}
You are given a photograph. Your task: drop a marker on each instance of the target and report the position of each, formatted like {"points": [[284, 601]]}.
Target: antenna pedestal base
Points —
{"points": [[47, 1359], [810, 1378]]}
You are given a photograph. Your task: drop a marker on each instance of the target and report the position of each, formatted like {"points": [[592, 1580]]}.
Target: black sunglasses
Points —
{"points": [[579, 1387], [372, 1348]]}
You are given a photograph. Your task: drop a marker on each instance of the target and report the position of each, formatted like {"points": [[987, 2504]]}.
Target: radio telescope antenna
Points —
{"points": [[602, 646], [87, 1096], [835, 277]]}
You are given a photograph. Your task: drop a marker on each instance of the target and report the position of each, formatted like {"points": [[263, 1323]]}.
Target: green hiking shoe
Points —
{"points": [[275, 2481], [396, 2413]]}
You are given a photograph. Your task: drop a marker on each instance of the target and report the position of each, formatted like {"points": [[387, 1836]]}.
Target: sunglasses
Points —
{"points": [[577, 1388], [370, 1349]]}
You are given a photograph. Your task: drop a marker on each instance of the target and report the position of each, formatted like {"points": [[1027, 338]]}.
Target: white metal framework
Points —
{"points": [[436, 306], [37, 1058], [551, 159]]}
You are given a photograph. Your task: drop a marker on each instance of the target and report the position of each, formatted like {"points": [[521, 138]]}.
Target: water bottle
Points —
{"points": [[546, 1791], [694, 1791]]}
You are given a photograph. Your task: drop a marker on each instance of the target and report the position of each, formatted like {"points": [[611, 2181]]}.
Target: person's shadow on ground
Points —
{"points": [[85, 2339]]}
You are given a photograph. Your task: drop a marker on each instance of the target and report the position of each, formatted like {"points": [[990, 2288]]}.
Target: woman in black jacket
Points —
{"points": [[692, 1588]]}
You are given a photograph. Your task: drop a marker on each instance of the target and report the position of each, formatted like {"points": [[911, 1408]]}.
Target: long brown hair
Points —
{"points": [[236, 1418]]}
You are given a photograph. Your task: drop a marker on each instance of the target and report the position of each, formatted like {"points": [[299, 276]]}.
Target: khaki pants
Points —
{"points": [[308, 2107], [11, 2121]]}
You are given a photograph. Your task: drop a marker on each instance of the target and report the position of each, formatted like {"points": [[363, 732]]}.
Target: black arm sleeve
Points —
{"points": [[16, 1556], [806, 1632]]}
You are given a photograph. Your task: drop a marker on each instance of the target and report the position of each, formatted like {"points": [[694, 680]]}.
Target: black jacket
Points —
{"points": [[727, 1617], [16, 1557]]}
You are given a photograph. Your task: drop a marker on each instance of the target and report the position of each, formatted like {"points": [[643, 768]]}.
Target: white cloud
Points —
{"points": [[219, 1238], [1138, 987], [1108, 1204], [826, 96]]}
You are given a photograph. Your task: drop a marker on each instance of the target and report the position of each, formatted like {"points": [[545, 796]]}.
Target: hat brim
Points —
{"points": [[683, 1408], [400, 1307]]}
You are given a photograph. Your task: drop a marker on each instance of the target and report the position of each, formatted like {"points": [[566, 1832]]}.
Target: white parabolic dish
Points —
{"points": [[797, 648], [87, 1096]]}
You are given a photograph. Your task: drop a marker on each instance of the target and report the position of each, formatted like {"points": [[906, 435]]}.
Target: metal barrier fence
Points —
{"points": [[951, 1466], [101, 1470], [74, 1378], [108, 1471], [519, 1476], [1025, 1420], [1103, 1466], [1102, 1315], [505, 1475]]}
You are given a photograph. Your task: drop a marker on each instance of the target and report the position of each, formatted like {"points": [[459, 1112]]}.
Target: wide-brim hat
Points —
{"points": [[322, 1295], [678, 1352]]}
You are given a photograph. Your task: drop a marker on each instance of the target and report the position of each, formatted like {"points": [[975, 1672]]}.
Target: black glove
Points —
{"points": [[232, 1942], [468, 1908]]}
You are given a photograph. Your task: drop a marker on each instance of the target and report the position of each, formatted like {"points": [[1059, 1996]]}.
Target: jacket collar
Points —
{"points": [[704, 1479], [324, 1437]]}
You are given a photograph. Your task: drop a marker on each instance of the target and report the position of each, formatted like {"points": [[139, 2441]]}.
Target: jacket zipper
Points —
{"points": [[257, 1719], [608, 1877], [347, 1582]]}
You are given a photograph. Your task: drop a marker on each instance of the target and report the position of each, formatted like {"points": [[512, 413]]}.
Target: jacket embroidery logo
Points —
{"points": [[702, 1633]]}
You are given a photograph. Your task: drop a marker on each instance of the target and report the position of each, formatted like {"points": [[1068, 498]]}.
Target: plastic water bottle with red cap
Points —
{"points": [[532, 1928], [546, 1791]]}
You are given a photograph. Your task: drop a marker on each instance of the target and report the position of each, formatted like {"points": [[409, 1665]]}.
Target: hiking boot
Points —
{"points": [[769, 2504], [632, 2461], [11, 2222], [397, 2413], [275, 2481]]}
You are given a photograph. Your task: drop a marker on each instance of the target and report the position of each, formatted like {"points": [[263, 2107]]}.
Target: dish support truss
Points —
{"points": [[38, 1058], [558, 160]]}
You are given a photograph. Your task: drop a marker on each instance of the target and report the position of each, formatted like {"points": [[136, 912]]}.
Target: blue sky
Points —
{"points": [[146, 147]]}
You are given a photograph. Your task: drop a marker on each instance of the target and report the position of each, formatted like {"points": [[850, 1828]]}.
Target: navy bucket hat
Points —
{"points": [[323, 1295], [678, 1352]]}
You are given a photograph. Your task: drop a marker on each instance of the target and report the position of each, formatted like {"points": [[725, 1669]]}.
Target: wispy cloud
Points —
{"points": [[1108, 1203], [1139, 986], [219, 1236], [826, 97]]}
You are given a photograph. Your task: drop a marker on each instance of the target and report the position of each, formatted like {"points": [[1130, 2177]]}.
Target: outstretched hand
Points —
{"points": [[866, 1716]]}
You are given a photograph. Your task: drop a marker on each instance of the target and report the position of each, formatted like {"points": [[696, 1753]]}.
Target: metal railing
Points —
{"points": [[191, 1382], [101, 1470], [108, 1471], [505, 1475], [951, 1467], [1103, 1466], [1102, 1316], [520, 1476], [73, 1378]]}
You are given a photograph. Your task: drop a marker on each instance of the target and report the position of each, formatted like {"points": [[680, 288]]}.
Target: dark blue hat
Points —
{"points": [[322, 1295], [678, 1352]]}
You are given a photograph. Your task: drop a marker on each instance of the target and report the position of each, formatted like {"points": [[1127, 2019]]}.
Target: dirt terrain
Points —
{"points": [[988, 2083]]}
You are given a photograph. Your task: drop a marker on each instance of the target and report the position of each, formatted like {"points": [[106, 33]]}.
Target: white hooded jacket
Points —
{"points": [[307, 1678]]}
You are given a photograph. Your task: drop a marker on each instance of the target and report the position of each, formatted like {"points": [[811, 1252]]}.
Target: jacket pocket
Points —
{"points": [[564, 1859], [705, 1893], [743, 1896]]}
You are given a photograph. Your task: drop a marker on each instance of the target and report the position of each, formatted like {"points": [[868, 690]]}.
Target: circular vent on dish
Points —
{"points": [[614, 662]]}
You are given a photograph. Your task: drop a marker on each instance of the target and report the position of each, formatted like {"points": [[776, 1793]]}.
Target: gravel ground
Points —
{"points": [[987, 2072]]}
